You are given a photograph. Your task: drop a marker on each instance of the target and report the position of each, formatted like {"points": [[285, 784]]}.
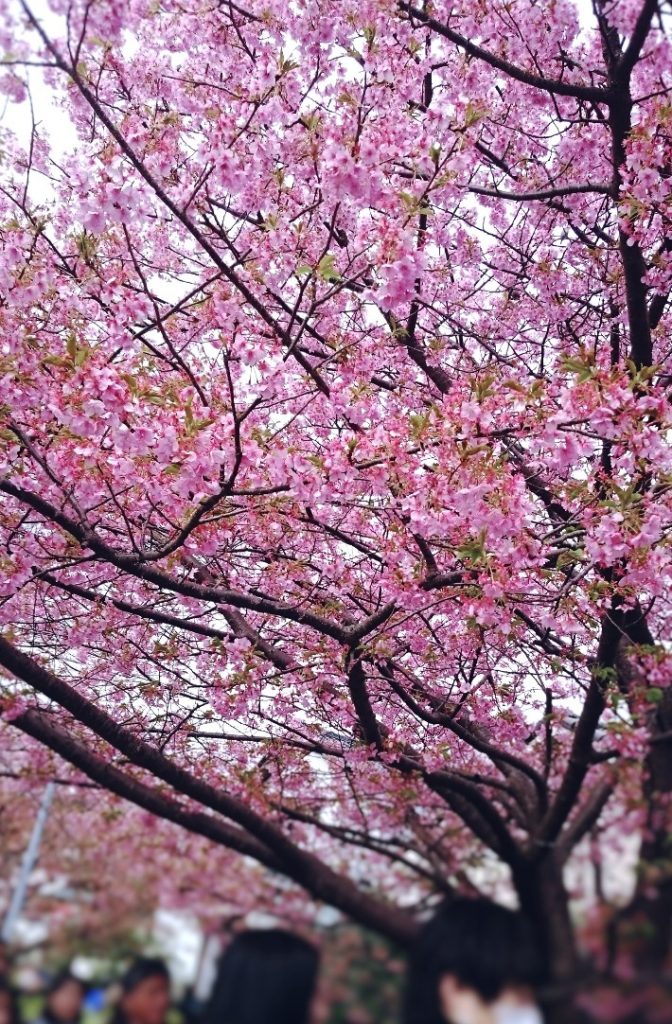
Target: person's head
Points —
{"points": [[470, 946], [145, 993], [65, 997], [264, 977], [9, 1011]]}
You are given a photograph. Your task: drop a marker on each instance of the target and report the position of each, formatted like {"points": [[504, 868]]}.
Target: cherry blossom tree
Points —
{"points": [[335, 461], [105, 867]]}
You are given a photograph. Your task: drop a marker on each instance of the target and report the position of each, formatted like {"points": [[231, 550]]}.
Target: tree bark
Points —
{"points": [[544, 898]]}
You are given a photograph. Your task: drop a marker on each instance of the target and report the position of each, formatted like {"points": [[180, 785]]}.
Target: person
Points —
{"points": [[190, 1006], [144, 993], [9, 1008], [475, 962], [64, 1000], [265, 976]]}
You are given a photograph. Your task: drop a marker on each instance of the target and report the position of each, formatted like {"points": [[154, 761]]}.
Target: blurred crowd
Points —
{"points": [[475, 962]]}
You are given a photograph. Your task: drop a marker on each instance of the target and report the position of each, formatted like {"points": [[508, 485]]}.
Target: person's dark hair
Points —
{"points": [[142, 968], [484, 945], [264, 977], [62, 977], [7, 989]]}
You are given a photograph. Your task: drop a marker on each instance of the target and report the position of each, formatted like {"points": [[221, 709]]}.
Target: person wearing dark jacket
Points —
{"points": [[9, 1006]]}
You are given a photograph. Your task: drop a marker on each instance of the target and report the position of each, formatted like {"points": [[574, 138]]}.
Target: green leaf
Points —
{"points": [[286, 64], [568, 556], [326, 269], [473, 550], [86, 245], [483, 386], [419, 422], [604, 674], [71, 346], [515, 385], [473, 114], [583, 365]]}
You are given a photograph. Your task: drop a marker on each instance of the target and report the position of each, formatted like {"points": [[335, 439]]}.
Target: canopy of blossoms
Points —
{"points": [[335, 450]]}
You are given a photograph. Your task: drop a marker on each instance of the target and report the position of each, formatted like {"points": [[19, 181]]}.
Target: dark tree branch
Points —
{"points": [[549, 85], [581, 753], [469, 736], [436, 374], [637, 40], [239, 627], [360, 700], [134, 565], [585, 818], [544, 193], [61, 741], [301, 866]]}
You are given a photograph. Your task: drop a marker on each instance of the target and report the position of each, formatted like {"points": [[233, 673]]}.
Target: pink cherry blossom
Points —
{"points": [[335, 448]]}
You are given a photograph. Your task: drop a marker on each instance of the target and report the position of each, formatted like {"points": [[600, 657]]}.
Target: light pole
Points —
{"points": [[27, 865]]}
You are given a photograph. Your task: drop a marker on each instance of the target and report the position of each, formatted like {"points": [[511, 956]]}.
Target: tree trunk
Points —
{"points": [[645, 927], [543, 897]]}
